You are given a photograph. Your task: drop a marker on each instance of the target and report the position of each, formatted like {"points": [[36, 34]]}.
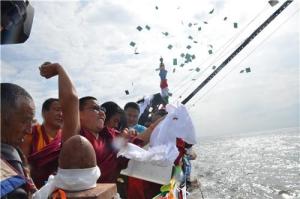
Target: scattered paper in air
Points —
{"points": [[170, 46], [188, 47], [214, 67], [190, 24], [188, 57], [147, 27], [174, 61], [190, 37], [197, 69], [248, 70], [241, 71], [156, 7], [127, 92], [273, 2], [193, 56], [132, 44], [225, 18], [139, 28], [165, 33], [210, 52], [205, 22], [199, 28], [211, 11], [235, 25], [182, 55]]}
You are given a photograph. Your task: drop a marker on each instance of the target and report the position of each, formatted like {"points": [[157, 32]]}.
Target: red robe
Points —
{"points": [[43, 158]]}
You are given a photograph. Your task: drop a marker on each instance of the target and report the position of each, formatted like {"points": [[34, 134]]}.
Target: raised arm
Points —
{"points": [[67, 97]]}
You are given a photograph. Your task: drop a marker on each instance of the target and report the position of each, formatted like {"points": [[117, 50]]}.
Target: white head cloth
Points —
{"points": [[70, 180], [177, 124]]}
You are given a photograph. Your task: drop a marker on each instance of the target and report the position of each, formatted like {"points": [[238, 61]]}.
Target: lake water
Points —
{"points": [[257, 165]]}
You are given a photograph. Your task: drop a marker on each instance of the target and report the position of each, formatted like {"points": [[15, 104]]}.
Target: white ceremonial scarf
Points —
{"points": [[70, 180]]}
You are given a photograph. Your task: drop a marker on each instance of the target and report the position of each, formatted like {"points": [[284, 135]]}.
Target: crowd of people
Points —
{"points": [[72, 148], [33, 149]]}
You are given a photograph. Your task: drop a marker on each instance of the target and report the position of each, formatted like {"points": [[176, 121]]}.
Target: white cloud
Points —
{"points": [[7, 70]]}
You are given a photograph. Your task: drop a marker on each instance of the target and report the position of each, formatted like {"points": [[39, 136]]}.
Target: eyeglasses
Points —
{"points": [[97, 109]]}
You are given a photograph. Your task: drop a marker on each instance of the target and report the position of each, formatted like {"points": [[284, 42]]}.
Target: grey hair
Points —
{"points": [[10, 93]]}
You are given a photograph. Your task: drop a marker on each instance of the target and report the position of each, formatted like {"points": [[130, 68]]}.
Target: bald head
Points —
{"points": [[77, 153]]}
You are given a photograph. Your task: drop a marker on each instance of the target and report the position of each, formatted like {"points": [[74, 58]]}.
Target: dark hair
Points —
{"points": [[10, 93], [47, 103], [132, 105], [111, 109], [123, 122], [83, 100]]}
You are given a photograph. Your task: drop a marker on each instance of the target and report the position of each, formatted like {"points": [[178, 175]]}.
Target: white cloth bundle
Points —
{"points": [[69, 179], [162, 148], [177, 124], [163, 155]]}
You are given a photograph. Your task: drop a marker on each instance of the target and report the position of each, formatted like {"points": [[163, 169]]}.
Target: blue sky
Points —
{"points": [[91, 40]]}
